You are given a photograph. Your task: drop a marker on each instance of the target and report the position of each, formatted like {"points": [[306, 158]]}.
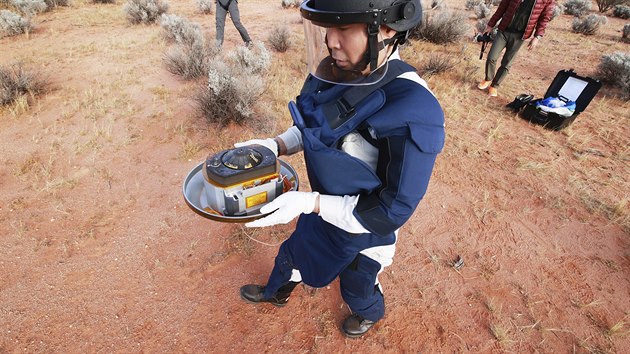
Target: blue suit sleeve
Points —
{"points": [[405, 170]]}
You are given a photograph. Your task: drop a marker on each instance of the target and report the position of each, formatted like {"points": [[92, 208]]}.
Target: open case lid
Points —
{"points": [[576, 88]]}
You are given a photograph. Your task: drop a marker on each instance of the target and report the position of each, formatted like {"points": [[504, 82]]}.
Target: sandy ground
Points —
{"points": [[100, 253]]}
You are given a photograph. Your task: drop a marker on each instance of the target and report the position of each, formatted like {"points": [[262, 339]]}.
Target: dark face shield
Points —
{"points": [[340, 56]]}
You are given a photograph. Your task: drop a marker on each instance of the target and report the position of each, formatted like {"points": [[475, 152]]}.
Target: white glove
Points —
{"points": [[288, 205], [268, 143]]}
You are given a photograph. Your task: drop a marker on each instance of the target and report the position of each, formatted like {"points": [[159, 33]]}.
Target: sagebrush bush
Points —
{"points": [[234, 87], [558, 9], [481, 25], [16, 81], [588, 25], [55, 3], [205, 6], [12, 24], [605, 5], [144, 11], [290, 3], [621, 11], [104, 1], [577, 8], [254, 60], [188, 61], [436, 64], [442, 27], [625, 33], [280, 38], [180, 30], [472, 4], [482, 11], [230, 96], [615, 69], [29, 8]]}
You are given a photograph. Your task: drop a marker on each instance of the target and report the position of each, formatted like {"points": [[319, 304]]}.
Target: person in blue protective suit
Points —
{"points": [[370, 131]]}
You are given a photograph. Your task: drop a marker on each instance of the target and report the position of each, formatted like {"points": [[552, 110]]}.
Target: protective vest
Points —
{"points": [[324, 115]]}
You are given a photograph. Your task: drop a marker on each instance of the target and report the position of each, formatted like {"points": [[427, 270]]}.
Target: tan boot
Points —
{"points": [[484, 84]]}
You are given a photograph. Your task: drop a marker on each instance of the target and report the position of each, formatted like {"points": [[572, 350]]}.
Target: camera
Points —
{"points": [[484, 37]]}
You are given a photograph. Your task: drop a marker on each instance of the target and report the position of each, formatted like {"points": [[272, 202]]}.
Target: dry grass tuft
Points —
{"points": [[16, 82], [437, 63], [279, 38], [500, 333], [190, 149], [442, 27], [326, 324], [240, 242]]}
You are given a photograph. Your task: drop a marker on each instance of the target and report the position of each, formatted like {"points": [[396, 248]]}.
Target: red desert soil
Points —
{"points": [[100, 253]]}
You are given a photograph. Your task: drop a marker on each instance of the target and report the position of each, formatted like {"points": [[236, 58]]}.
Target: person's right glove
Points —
{"points": [[268, 143], [289, 205]]}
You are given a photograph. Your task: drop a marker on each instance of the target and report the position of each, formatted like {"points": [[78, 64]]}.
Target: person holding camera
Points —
{"points": [[370, 131], [519, 20]]}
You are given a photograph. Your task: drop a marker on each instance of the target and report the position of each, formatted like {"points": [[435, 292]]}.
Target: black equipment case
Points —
{"points": [[566, 85]]}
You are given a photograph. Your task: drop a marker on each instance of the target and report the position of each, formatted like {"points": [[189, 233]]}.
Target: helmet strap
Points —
{"points": [[373, 45]]}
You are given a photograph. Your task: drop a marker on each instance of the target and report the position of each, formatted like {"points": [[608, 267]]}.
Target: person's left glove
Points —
{"points": [[288, 205], [268, 143]]}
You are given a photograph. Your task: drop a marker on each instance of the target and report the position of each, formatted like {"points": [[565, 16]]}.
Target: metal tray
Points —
{"points": [[196, 199]]}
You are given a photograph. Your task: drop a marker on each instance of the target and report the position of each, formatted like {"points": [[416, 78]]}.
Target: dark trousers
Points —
{"points": [[509, 41], [220, 15], [356, 283]]}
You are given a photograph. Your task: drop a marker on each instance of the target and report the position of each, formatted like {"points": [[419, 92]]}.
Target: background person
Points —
{"points": [[370, 131], [231, 6], [519, 20]]}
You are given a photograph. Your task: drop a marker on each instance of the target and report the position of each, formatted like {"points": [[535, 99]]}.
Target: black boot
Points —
{"points": [[356, 326], [254, 293]]}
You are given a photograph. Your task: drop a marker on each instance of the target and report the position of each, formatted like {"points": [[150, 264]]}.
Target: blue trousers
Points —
{"points": [[357, 283]]}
